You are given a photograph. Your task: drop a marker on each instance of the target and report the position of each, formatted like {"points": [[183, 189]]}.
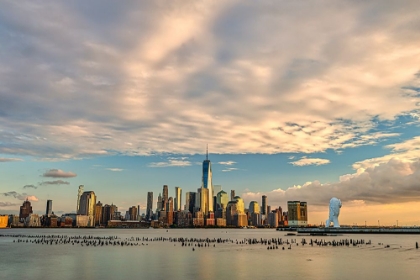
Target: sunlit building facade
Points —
{"points": [[297, 213]]}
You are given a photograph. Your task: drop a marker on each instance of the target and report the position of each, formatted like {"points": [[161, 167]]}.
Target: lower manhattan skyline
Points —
{"points": [[295, 102]]}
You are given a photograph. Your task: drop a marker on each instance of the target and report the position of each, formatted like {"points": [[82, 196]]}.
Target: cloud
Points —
{"points": [[229, 169], [227, 162], [395, 181], [176, 77], [310, 161], [115, 169], [10, 159], [55, 182], [408, 150], [19, 196], [7, 204], [57, 173], [30, 186], [177, 162]]}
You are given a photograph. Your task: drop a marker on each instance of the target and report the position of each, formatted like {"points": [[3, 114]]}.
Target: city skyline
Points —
{"points": [[298, 102]]}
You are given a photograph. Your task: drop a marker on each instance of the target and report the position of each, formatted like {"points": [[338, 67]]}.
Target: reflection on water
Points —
{"points": [[387, 257]]}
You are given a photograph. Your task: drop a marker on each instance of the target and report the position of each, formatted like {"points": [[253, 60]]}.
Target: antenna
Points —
{"points": [[207, 152]]}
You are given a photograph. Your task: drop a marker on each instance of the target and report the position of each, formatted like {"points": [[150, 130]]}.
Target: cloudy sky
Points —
{"points": [[297, 100]]}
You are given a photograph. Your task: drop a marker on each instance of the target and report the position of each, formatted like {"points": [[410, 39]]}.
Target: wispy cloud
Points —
{"points": [[55, 182], [304, 161], [177, 162], [115, 169], [7, 204], [10, 159], [57, 173], [19, 196], [227, 162], [30, 186], [229, 169]]}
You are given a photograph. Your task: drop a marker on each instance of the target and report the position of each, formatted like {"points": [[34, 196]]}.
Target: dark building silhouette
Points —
{"points": [[25, 210]]}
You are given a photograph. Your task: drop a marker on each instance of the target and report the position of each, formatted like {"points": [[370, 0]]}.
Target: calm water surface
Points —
{"points": [[168, 260]]}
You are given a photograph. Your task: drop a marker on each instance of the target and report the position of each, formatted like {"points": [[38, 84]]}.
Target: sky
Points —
{"points": [[296, 100]]}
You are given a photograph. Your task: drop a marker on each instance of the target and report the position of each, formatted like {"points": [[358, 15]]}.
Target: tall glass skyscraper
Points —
{"points": [[207, 180]]}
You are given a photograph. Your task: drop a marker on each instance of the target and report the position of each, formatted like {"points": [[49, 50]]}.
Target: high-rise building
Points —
{"points": [[79, 194], [190, 201], [217, 189], [98, 214], [207, 181], [240, 205], [149, 207], [178, 196], [297, 213], [232, 195], [108, 213], [87, 206], [159, 206], [48, 211], [254, 207], [203, 195], [25, 210], [170, 211], [132, 213], [222, 200], [165, 197], [264, 205]]}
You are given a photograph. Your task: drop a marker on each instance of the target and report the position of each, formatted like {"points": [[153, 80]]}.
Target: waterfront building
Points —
{"points": [[132, 213], [240, 220], [159, 203], [254, 207], [87, 206], [240, 206], [255, 219], [4, 220], [109, 212], [273, 220], [230, 212], [207, 182], [178, 196], [83, 221], [170, 212], [203, 200], [232, 194], [184, 218], [190, 201], [33, 220], [297, 213], [210, 221], [220, 222], [149, 206], [165, 197], [198, 220], [48, 211], [264, 205], [222, 200], [79, 195], [98, 214], [25, 210]]}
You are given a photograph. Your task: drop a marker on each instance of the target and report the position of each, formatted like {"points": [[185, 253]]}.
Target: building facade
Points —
{"points": [[297, 213]]}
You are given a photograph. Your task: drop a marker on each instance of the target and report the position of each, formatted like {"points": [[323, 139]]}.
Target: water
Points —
{"points": [[168, 260]]}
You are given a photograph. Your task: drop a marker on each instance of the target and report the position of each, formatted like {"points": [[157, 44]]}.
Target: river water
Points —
{"points": [[387, 257]]}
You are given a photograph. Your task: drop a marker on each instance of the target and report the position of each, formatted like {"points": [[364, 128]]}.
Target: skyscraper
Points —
{"points": [[203, 195], [98, 214], [87, 206], [48, 211], [165, 197], [222, 200], [232, 195], [190, 201], [264, 205], [149, 206], [159, 203], [207, 181], [25, 210], [79, 194], [178, 196]]}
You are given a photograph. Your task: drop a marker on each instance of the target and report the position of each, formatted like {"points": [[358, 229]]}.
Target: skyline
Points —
{"points": [[296, 101]]}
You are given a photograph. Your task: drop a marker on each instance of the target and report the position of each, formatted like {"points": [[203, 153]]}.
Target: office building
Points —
{"points": [[98, 214], [165, 197], [297, 213], [48, 211], [87, 206], [264, 205], [25, 210], [207, 181], [149, 206], [232, 195], [178, 196], [222, 200], [190, 201]]}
